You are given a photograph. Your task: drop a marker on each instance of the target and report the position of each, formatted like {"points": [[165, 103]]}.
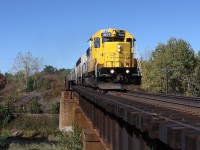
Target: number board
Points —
{"points": [[106, 34], [120, 34]]}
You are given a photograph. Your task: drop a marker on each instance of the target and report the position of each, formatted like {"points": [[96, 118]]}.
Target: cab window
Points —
{"points": [[97, 42], [130, 40], [106, 39]]}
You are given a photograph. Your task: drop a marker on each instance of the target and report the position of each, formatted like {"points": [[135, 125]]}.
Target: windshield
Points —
{"points": [[109, 39]]}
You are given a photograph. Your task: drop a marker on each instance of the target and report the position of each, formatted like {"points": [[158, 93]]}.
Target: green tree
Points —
{"points": [[63, 73], [147, 75], [50, 69], [5, 114], [171, 67], [196, 75]]}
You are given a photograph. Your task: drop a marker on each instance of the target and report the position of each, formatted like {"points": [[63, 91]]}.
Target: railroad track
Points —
{"points": [[174, 118], [189, 105], [181, 100], [179, 103], [149, 103]]}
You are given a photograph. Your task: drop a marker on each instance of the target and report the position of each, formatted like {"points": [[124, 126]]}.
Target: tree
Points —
{"points": [[9, 78], [171, 67], [196, 76], [63, 73], [2, 81], [50, 69], [5, 114], [25, 66]]}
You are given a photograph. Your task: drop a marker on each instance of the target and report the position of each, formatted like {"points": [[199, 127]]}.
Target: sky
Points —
{"points": [[57, 31]]}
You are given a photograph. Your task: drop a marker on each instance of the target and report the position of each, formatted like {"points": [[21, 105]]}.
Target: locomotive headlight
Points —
{"points": [[112, 71], [127, 71], [119, 48]]}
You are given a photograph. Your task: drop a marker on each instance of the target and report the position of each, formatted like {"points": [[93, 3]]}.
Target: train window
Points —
{"points": [[97, 42], [78, 62], [105, 39], [112, 40], [88, 51], [130, 41], [119, 39]]}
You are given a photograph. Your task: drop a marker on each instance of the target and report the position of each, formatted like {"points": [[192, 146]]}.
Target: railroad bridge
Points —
{"points": [[132, 121]]}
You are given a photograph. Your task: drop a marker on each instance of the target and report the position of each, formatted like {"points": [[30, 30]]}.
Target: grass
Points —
{"points": [[34, 126], [35, 147], [40, 127], [66, 141]]}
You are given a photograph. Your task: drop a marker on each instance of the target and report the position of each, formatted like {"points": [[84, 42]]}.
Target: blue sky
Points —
{"points": [[57, 30]]}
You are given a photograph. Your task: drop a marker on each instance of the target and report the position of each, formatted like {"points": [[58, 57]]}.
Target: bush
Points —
{"points": [[5, 115], [35, 107], [72, 140], [4, 145], [54, 107]]}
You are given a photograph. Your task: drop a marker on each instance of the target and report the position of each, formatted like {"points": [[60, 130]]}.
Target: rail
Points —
{"points": [[118, 119], [182, 102]]}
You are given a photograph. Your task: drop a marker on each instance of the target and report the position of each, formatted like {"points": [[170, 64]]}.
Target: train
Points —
{"points": [[108, 63]]}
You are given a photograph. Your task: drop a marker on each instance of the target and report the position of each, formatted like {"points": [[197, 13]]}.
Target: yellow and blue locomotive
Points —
{"points": [[108, 63]]}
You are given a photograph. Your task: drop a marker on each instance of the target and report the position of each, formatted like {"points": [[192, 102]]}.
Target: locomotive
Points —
{"points": [[108, 63]]}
